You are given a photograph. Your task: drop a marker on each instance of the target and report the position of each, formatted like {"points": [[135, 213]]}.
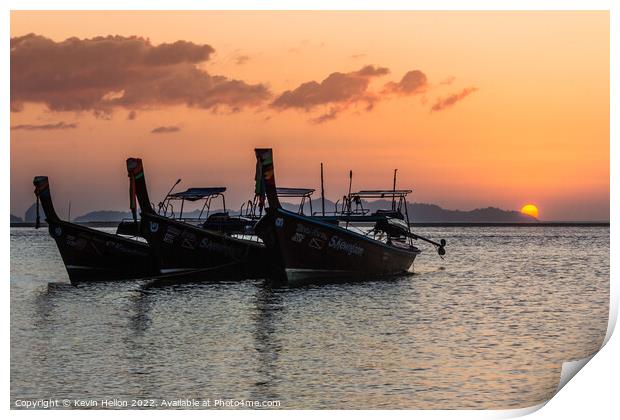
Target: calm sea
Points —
{"points": [[487, 327]]}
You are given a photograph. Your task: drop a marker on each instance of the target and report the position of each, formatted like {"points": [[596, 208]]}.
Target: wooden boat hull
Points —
{"points": [[90, 255], [307, 250], [180, 246]]}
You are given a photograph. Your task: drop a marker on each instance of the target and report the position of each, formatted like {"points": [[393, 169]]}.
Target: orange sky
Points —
{"points": [[531, 123]]}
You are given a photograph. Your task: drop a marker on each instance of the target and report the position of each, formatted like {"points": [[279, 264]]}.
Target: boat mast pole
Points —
{"points": [[322, 191], [349, 194], [394, 191], [169, 192], [349, 197], [408, 222]]}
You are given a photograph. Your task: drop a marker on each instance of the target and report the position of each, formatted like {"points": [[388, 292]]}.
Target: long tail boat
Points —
{"points": [[92, 255], [314, 249], [182, 246], [220, 220]]}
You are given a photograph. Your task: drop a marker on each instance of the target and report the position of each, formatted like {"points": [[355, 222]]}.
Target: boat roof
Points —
{"points": [[194, 194], [294, 192], [381, 193]]}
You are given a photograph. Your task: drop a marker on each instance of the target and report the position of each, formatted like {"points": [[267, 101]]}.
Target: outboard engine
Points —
{"points": [[395, 214], [393, 227]]}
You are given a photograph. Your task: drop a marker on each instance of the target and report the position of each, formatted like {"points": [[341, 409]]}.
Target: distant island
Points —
{"points": [[418, 213], [432, 213], [31, 214], [103, 216]]}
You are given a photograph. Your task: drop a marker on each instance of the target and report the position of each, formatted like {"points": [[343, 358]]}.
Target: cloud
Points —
{"points": [[341, 89], [412, 83], [443, 103], [165, 129], [58, 126], [328, 116], [102, 73], [241, 59]]}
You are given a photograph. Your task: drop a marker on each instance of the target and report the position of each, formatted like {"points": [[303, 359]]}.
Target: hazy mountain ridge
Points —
{"points": [[423, 212], [418, 212], [31, 214], [429, 213], [103, 216], [117, 216]]}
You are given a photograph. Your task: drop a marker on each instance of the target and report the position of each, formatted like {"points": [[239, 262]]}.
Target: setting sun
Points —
{"points": [[530, 210]]}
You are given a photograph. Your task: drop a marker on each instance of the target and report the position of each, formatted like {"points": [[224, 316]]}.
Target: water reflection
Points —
{"points": [[268, 305], [486, 328]]}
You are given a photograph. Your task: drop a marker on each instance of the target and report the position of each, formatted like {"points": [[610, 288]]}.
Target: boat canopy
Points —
{"points": [[195, 194], [192, 194], [294, 192], [380, 193], [353, 204]]}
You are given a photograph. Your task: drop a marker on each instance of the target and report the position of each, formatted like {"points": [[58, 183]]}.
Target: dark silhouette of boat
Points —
{"points": [[185, 245], [313, 249], [92, 255], [221, 221]]}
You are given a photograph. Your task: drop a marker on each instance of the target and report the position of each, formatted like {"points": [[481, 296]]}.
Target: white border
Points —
{"points": [[311, 5], [590, 394]]}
